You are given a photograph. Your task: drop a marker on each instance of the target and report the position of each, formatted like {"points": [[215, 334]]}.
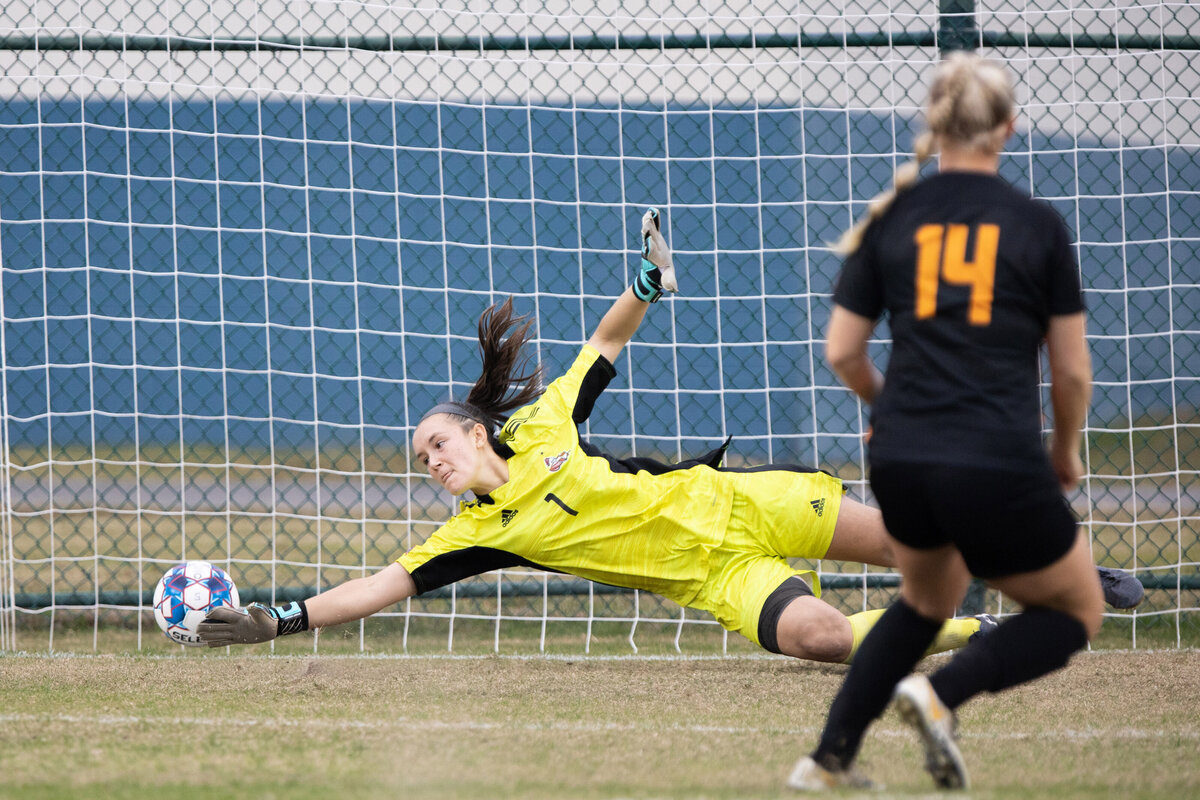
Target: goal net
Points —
{"points": [[244, 247]]}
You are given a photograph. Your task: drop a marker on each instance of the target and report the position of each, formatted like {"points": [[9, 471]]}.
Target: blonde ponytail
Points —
{"points": [[970, 104], [905, 178]]}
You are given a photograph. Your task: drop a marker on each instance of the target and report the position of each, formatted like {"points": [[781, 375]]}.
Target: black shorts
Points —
{"points": [[1003, 522]]}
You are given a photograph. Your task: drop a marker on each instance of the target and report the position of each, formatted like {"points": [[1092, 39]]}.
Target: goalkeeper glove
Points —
{"points": [[253, 624], [658, 271]]}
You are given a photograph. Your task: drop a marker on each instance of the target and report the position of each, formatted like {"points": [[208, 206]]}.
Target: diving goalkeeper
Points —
{"points": [[708, 537]]}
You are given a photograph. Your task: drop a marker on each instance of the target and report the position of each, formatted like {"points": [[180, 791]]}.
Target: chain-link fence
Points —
{"points": [[244, 246]]}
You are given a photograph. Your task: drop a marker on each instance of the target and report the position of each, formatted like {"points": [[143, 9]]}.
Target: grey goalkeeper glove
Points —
{"points": [[253, 624], [658, 270]]}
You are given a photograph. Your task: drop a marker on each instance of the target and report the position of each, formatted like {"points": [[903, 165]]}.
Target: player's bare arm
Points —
{"points": [[1070, 393], [361, 597], [846, 350]]}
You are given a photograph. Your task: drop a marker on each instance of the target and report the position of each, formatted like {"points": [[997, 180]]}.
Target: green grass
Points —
{"points": [[1111, 724]]}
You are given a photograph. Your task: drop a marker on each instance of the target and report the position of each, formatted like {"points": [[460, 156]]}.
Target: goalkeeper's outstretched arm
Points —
{"points": [[345, 602], [361, 597], [656, 275]]}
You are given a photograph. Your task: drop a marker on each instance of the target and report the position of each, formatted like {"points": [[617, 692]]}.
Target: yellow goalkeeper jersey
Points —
{"points": [[569, 508]]}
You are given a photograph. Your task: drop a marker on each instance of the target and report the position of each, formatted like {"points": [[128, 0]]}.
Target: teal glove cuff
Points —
{"points": [[647, 285], [292, 617]]}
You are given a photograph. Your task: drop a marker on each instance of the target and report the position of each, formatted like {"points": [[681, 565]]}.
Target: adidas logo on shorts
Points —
{"points": [[506, 516], [818, 506]]}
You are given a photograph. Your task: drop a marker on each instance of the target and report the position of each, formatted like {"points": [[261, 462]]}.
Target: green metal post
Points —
{"points": [[956, 26]]}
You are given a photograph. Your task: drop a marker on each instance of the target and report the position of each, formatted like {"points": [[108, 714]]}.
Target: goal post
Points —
{"points": [[244, 246]]}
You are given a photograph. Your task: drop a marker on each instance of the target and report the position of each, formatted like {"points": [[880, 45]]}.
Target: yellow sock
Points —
{"points": [[954, 633], [860, 624]]}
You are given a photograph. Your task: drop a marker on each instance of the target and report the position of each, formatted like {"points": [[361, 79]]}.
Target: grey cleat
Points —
{"points": [[987, 624], [1121, 588]]}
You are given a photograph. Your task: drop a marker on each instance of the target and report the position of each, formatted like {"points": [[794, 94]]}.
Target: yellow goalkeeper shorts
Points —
{"points": [[777, 513]]}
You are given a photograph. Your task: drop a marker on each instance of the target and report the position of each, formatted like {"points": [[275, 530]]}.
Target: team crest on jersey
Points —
{"points": [[555, 463]]}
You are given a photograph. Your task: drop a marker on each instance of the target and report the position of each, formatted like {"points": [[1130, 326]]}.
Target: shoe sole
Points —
{"points": [[942, 759]]}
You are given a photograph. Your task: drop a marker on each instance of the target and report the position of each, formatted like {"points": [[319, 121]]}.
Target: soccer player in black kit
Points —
{"points": [[974, 276]]}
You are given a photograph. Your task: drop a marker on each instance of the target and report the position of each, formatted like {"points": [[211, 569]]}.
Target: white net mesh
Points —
{"points": [[244, 245]]}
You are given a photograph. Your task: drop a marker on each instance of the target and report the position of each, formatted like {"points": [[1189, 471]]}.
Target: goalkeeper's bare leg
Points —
{"points": [[811, 629]]}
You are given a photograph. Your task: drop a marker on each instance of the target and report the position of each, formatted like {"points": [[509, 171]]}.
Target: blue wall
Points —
{"points": [[146, 246]]}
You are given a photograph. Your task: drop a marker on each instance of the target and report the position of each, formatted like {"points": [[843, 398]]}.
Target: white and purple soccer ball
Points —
{"points": [[186, 594]]}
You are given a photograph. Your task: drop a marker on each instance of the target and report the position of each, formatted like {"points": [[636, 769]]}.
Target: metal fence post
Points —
{"points": [[956, 26]]}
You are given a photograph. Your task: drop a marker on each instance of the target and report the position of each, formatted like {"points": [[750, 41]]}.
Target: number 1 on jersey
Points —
{"points": [[942, 251]]}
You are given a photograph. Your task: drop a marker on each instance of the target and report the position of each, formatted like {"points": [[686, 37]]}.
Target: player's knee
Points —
{"points": [[930, 606], [816, 637]]}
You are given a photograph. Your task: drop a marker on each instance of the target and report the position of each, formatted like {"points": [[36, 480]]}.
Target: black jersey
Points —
{"points": [[969, 271]]}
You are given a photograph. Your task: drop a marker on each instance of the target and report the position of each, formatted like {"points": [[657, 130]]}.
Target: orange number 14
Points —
{"points": [[943, 249]]}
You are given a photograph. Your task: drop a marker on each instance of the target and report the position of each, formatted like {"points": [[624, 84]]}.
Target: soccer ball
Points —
{"points": [[186, 594]]}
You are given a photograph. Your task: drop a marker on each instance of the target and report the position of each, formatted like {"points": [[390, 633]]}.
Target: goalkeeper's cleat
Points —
{"points": [[809, 776], [1121, 589], [987, 624], [922, 709]]}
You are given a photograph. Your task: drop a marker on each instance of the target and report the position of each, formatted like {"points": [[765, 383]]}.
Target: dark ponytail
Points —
{"points": [[505, 365], [509, 379]]}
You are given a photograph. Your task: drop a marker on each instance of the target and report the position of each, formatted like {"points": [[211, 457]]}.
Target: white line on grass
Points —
{"points": [[1123, 734]]}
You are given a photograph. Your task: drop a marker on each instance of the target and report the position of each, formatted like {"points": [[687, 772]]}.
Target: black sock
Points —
{"points": [[888, 653], [1031, 644]]}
